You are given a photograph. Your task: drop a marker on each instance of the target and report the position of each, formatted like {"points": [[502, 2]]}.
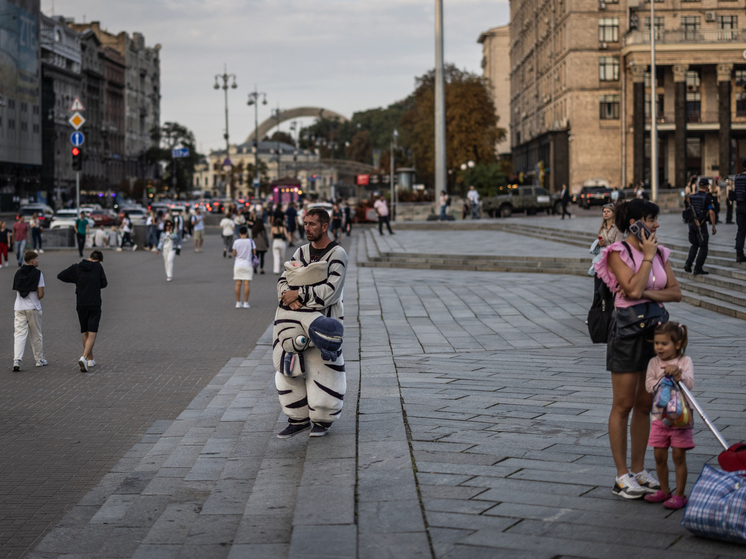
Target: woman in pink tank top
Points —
{"points": [[638, 271]]}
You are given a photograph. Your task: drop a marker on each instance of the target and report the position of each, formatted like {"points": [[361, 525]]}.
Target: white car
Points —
{"points": [[138, 215], [65, 218]]}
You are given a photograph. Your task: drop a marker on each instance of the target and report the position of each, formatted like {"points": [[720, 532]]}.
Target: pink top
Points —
{"points": [[655, 374], [657, 279]]}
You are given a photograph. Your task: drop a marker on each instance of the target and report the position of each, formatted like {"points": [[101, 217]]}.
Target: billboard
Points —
{"points": [[20, 81]]}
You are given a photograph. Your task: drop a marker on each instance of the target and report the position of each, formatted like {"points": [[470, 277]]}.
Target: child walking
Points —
{"points": [[670, 343]]}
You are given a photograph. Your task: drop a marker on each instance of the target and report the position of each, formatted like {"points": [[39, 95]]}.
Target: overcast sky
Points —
{"points": [[344, 55]]}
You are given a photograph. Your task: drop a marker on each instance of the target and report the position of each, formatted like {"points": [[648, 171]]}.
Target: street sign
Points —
{"points": [[77, 121], [256, 183], [179, 152], [77, 139], [77, 106], [227, 162]]}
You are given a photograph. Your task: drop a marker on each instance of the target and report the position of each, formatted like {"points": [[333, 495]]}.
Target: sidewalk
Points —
{"points": [[474, 426]]}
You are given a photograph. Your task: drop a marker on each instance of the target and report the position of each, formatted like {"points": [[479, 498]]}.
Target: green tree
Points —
{"points": [[279, 136], [471, 122], [167, 137]]}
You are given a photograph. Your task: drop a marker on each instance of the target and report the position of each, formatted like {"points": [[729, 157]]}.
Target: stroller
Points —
{"points": [[717, 504]]}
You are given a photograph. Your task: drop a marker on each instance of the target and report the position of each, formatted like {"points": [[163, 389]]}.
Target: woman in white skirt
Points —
{"points": [[279, 243], [244, 251], [167, 245]]}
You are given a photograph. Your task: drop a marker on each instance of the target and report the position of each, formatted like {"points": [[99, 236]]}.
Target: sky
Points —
{"points": [[343, 55]]}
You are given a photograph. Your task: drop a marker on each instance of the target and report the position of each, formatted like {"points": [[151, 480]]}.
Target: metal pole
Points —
{"points": [[227, 143], [77, 192], [653, 123], [440, 104], [256, 143]]}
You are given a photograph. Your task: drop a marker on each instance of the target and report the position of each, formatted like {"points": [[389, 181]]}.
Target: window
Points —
{"points": [[658, 106], [727, 22], [740, 78], [608, 68], [690, 26], [692, 80], [660, 75], [693, 106], [609, 107], [11, 124], [741, 104], [608, 29], [658, 24]]}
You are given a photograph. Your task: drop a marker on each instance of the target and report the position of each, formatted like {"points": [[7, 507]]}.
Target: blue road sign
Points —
{"points": [[180, 152], [77, 139]]}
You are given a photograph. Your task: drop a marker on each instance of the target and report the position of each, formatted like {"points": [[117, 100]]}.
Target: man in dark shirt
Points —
{"points": [[89, 279], [703, 207], [292, 218], [738, 195]]}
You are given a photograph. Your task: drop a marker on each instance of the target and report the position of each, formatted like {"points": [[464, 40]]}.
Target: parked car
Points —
{"points": [[529, 199], [64, 218], [45, 213], [137, 214], [594, 196], [107, 218]]}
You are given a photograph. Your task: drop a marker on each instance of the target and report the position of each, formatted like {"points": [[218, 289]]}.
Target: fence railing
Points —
{"points": [[686, 36]]}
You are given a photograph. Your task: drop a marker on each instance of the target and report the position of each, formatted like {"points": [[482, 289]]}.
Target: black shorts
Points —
{"points": [[628, 355], [89, 318]]}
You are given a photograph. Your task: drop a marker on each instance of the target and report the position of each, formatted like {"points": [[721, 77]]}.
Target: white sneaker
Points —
{"points": [[239, 306], [42, 363], [119, 249], [628, 488], [647, 482], [168, 279], [41, 251], [91, 363], [83, 364], [134, 248], [246, 305], [16, 364]]}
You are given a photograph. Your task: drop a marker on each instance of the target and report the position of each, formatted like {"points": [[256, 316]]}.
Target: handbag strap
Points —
{"points": [[632, 256]]}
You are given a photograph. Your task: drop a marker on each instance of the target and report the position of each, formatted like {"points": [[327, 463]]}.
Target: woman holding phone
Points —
{"points": [[608, 233], [637, 270]]}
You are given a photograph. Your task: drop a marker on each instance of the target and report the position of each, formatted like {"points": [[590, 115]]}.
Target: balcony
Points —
{"points": [[684, 36]]}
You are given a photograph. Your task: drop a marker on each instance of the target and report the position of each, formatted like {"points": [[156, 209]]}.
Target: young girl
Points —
{"points": [[670, 361]]}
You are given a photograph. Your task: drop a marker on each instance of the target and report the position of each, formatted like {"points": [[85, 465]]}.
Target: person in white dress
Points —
{"points": [[167, 245], [244, 251]]}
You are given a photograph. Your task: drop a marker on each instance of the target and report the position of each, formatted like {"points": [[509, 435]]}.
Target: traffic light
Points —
{"points": [[77, 159]]}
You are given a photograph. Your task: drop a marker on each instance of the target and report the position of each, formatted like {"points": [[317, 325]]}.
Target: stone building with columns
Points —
{"points": [[496, 68], [581, 89]]}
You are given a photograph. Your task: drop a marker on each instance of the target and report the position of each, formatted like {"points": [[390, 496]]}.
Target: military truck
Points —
{"points": [[529, 199]]}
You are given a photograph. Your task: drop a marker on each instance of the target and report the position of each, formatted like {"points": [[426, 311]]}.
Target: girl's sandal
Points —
{"points": [[658, 497], [676, 502]]}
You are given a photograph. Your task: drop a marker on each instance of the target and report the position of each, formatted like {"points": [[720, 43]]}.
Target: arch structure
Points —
{"points": [[290, 114]]}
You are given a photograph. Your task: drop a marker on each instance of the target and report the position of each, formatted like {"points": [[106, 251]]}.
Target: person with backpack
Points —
{"points": [[638, 272], [29, 286], [701, 208]]}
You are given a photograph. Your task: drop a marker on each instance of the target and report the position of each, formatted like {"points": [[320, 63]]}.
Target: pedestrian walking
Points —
{"points": [[444, 203], [565, 200], [226, 226], [292, 226], [729, 196], [89, 279], [336, 221], [614, 196], [383, 215], [261, 242], [178, 231], [6, 239], [198, 229], [638, 271], [81, 232], [151, 226], [167, 245], [608, 233], [126, 229], [244, 251], [715, 193], [473, 197], [239, 220], [669, 364], [314, 398], [20, 238], [348, 215], [702, 206], [35, 226], [29, 286], [279, 243]]}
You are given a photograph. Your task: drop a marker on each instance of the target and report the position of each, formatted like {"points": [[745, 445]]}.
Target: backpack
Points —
{"points": [[688, 214]]}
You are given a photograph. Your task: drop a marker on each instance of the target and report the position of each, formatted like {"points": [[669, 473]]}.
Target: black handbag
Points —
{"points": [[599, 316], [639, 319]]}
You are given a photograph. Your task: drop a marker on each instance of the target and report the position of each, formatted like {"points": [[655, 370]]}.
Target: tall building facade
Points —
{"points": [[20, 100], [581, 89], [496, 68]]}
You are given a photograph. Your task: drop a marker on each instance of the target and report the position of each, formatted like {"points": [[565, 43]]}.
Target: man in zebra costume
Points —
{"points": [[315, 397]]}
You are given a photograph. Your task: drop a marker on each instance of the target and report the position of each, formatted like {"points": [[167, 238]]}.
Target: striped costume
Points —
{"points": [[310, 387]]}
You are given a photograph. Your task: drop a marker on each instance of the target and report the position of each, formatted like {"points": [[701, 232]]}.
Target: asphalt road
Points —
{"points": [[159, 344]]}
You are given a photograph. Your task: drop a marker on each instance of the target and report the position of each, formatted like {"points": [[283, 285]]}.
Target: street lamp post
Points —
{"points": [[226, 77], [653, 123], [254, 100], [394, 137], [440, 104], [276, 114]]}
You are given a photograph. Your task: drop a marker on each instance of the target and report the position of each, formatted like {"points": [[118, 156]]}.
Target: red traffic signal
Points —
{"points": [[77, 159]]}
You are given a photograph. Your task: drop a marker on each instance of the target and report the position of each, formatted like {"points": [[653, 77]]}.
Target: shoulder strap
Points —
{"points": [[629, 250]]}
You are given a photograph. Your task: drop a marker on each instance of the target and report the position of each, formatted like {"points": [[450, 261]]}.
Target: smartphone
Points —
{"points": [[637, 229]]}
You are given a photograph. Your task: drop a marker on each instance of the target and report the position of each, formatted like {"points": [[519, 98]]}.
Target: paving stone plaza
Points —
{"points": [[474, 424]]}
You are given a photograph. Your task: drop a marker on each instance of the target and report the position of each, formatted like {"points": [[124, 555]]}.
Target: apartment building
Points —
{"points": [[581, 89], [496, 68]]}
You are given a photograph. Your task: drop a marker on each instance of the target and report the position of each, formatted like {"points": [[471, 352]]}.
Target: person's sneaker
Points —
{"points": [[119, 249], [41, 251], [246, 306], [239, 306], [16, 365], [318, 430], [628, 488], [91, 363], [83, 364], [647, 482], [134, 248], [42, 363], [657, 497], [293, 429], [676, 502]]}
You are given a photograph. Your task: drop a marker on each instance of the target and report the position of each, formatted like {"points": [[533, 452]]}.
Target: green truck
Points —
{"points": [[528, 199]]}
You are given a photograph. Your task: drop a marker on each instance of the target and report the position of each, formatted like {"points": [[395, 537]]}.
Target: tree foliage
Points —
{"points": [[280, 136], [167, 137]]}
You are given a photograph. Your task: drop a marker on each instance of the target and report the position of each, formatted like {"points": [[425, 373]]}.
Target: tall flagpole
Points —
{"points": [[653, 115], [440, 104]]}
